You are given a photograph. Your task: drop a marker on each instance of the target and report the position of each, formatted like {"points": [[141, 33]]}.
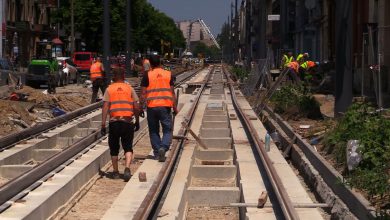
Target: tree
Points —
{"points": [[149, 25]]}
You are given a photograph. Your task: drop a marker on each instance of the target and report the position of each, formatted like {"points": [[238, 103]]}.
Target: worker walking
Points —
{"points": [[158, 93], [97, 78], [286, 59], [121, 103]]}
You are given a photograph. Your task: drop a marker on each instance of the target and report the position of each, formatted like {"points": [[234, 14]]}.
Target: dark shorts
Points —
{"points": [[120, 131]]}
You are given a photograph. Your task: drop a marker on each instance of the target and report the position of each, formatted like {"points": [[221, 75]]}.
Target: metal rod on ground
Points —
{"points": [[200, 142], [295, 205]]}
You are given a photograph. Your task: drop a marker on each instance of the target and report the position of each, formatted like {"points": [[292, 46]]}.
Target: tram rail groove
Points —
{"points": [[355, 202], [284, 201], [150, 202]]}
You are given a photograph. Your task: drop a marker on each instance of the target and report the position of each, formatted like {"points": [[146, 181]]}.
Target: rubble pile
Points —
{"points": [[37, 106]]}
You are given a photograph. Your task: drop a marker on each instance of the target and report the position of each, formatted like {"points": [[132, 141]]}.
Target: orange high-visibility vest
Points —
{"points": [[294, 65], [159, 92], [121, 101], [96, 71]]}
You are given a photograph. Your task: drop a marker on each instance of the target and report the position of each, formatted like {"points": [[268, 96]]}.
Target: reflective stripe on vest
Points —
{"points": [[96, 70], [159, 92], [304, 65], [287, 60], [121, 101]]}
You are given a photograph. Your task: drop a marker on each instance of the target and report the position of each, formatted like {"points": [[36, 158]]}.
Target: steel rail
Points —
{"points": [[18, 184], [151, 199], [284, 201], [8, 141], [356, 203]]}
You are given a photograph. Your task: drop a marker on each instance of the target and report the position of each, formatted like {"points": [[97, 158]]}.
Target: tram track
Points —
{"points": [[32, 175], [214, 182]]}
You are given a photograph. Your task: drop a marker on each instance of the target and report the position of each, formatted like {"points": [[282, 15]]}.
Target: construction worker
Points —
{"points": [[286, 59], [97, 78], [304, 69], [294, 70], [158, 93], [301, 58], [145, 65], [121, 103]]}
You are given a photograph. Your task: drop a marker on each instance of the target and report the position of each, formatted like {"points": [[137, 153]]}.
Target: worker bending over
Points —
{"points": [[158, 93], [301, 58], [286, 59], [121, 102]]}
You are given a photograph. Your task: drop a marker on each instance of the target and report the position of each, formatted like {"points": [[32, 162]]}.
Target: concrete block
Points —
{"points": [[214, 112], [43, 154], [215, 124], [214, 154], [215, 132], [212, 196], [19, 154], [225, 143], [215, 118], [215, 106], [12, 171], [214, 171]]}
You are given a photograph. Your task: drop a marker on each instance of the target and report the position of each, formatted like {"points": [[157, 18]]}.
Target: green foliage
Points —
{"points": [[361, 122], [149, 26], [296, 99], [206, 51], [240, 73]]}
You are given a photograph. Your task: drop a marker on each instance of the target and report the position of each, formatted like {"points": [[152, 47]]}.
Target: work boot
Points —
{"points": [[161, 155], [114, 175], [127, 174]]}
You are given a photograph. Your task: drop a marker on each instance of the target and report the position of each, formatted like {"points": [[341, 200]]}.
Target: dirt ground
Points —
{"points": [[98, 199], [18, 115], [212, 213]]}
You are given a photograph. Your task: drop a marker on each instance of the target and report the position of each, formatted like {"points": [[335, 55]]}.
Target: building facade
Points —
{"points": [[28, 24]]}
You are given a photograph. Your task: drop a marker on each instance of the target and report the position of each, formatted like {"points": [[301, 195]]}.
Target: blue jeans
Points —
{"points": [[156, 116]]}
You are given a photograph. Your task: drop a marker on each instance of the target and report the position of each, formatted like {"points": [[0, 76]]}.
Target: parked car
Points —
{"points": [[68, 70], [43, 73]]}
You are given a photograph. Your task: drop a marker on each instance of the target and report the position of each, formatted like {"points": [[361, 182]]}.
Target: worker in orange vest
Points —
{"points": [[158, 93], [294, 70], [121, 103], [97, 78]]}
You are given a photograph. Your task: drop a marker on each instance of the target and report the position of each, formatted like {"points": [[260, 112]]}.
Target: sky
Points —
{"points": [[213, 12]]}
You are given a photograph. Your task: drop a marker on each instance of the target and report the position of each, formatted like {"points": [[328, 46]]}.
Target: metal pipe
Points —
{"points": [[71, 27], [380, 104]]}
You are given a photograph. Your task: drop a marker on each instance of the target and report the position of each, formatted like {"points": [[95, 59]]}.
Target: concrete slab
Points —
{"points": [[125, 208], [219, 124], [214, 171], [40, 155], [223, 143], [176, 197], [214, 154], [212, 196], [12, 171], [214, 132]]}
